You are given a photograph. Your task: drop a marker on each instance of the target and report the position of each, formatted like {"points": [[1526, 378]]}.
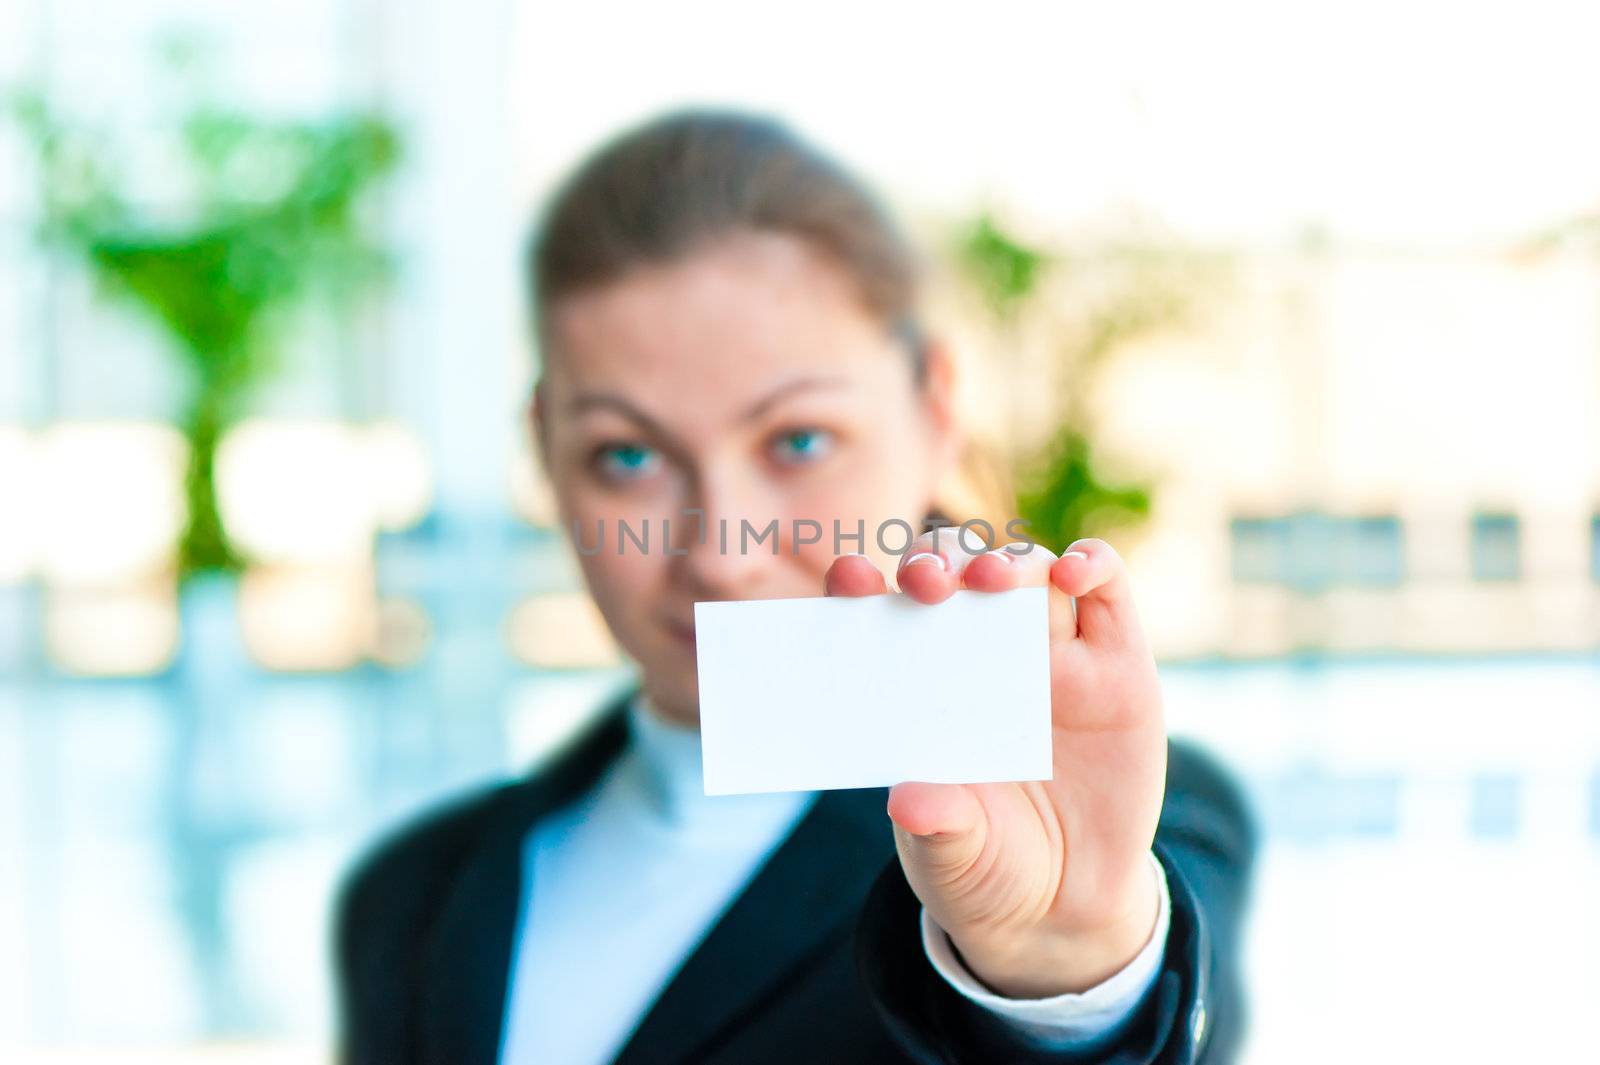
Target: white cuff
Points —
{"points": [[1064, 1022]]}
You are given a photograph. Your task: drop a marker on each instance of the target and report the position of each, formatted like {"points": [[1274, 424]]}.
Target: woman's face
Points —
{"points": [[744, 382]]}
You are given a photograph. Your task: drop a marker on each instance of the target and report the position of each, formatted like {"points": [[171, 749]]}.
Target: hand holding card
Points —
{"points": [[1044, 886]]}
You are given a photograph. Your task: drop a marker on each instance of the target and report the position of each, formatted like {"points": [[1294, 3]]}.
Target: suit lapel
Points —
{"points": [[812, 883], [466, 956]]}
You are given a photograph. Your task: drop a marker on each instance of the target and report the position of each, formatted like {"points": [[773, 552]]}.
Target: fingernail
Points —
{"points": [[924, 557], [1076, 554], [1001, 553]]}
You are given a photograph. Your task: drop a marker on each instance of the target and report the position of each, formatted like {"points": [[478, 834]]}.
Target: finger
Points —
{"points": [[1003, 569], [930, 569], [1093, 573], [939, 828], [854, 576]]}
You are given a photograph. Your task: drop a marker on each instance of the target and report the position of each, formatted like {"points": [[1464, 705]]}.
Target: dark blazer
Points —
{"points": [[819, 960]]}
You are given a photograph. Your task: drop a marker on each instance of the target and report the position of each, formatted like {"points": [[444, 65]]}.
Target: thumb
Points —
{"points": [[939, 830]]}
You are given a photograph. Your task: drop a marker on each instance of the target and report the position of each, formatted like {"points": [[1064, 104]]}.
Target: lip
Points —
{"points": [[682, 631]]}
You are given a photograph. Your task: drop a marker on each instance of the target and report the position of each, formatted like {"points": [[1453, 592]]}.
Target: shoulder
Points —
{"points": [[383, 920], [1206, 805], [391, 883], [388, 895]]}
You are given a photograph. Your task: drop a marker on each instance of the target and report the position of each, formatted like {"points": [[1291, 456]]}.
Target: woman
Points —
{"points": [[728, 331]]}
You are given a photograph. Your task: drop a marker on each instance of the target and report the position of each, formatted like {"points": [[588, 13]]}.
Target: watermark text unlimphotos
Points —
{"points": [[892, 537]]}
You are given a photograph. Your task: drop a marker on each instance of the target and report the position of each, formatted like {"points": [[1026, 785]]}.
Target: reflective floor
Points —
{"points": [[168, 847]]}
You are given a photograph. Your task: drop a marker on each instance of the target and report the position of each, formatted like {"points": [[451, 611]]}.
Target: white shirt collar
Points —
{"points": [[671, 776]]}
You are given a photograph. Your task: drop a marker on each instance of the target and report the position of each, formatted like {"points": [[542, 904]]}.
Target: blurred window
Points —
{"points": [[1313, 805], [1496, 807], [1260, 550], [1312, 551], [1496, 547]]}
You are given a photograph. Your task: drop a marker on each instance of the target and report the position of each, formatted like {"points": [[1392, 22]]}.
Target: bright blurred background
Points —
{"points": [[1307, 306]]}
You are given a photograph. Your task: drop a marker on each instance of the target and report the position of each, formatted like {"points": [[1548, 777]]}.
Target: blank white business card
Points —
{"points": [[809, 694]]}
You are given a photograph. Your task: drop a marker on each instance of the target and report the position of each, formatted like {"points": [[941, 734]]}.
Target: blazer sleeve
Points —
{"points": [[1194, 1012]]}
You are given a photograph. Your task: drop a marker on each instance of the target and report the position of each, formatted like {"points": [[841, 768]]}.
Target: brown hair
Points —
{"points": [[659, 190]]}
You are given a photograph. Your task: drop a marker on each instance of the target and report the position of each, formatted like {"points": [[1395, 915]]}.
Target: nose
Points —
{"points": [[729, 537]]}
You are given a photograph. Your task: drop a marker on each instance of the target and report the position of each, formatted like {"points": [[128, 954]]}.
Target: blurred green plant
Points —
{"points": [[1004, 270], [1109, 293], [267, 214]]}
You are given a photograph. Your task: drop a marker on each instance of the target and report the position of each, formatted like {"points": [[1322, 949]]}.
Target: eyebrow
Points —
{"points": [[587, 401], [784, 391]]}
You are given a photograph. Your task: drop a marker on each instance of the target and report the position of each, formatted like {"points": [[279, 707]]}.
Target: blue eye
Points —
{"points": [[800, 446], [626, 462]]}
